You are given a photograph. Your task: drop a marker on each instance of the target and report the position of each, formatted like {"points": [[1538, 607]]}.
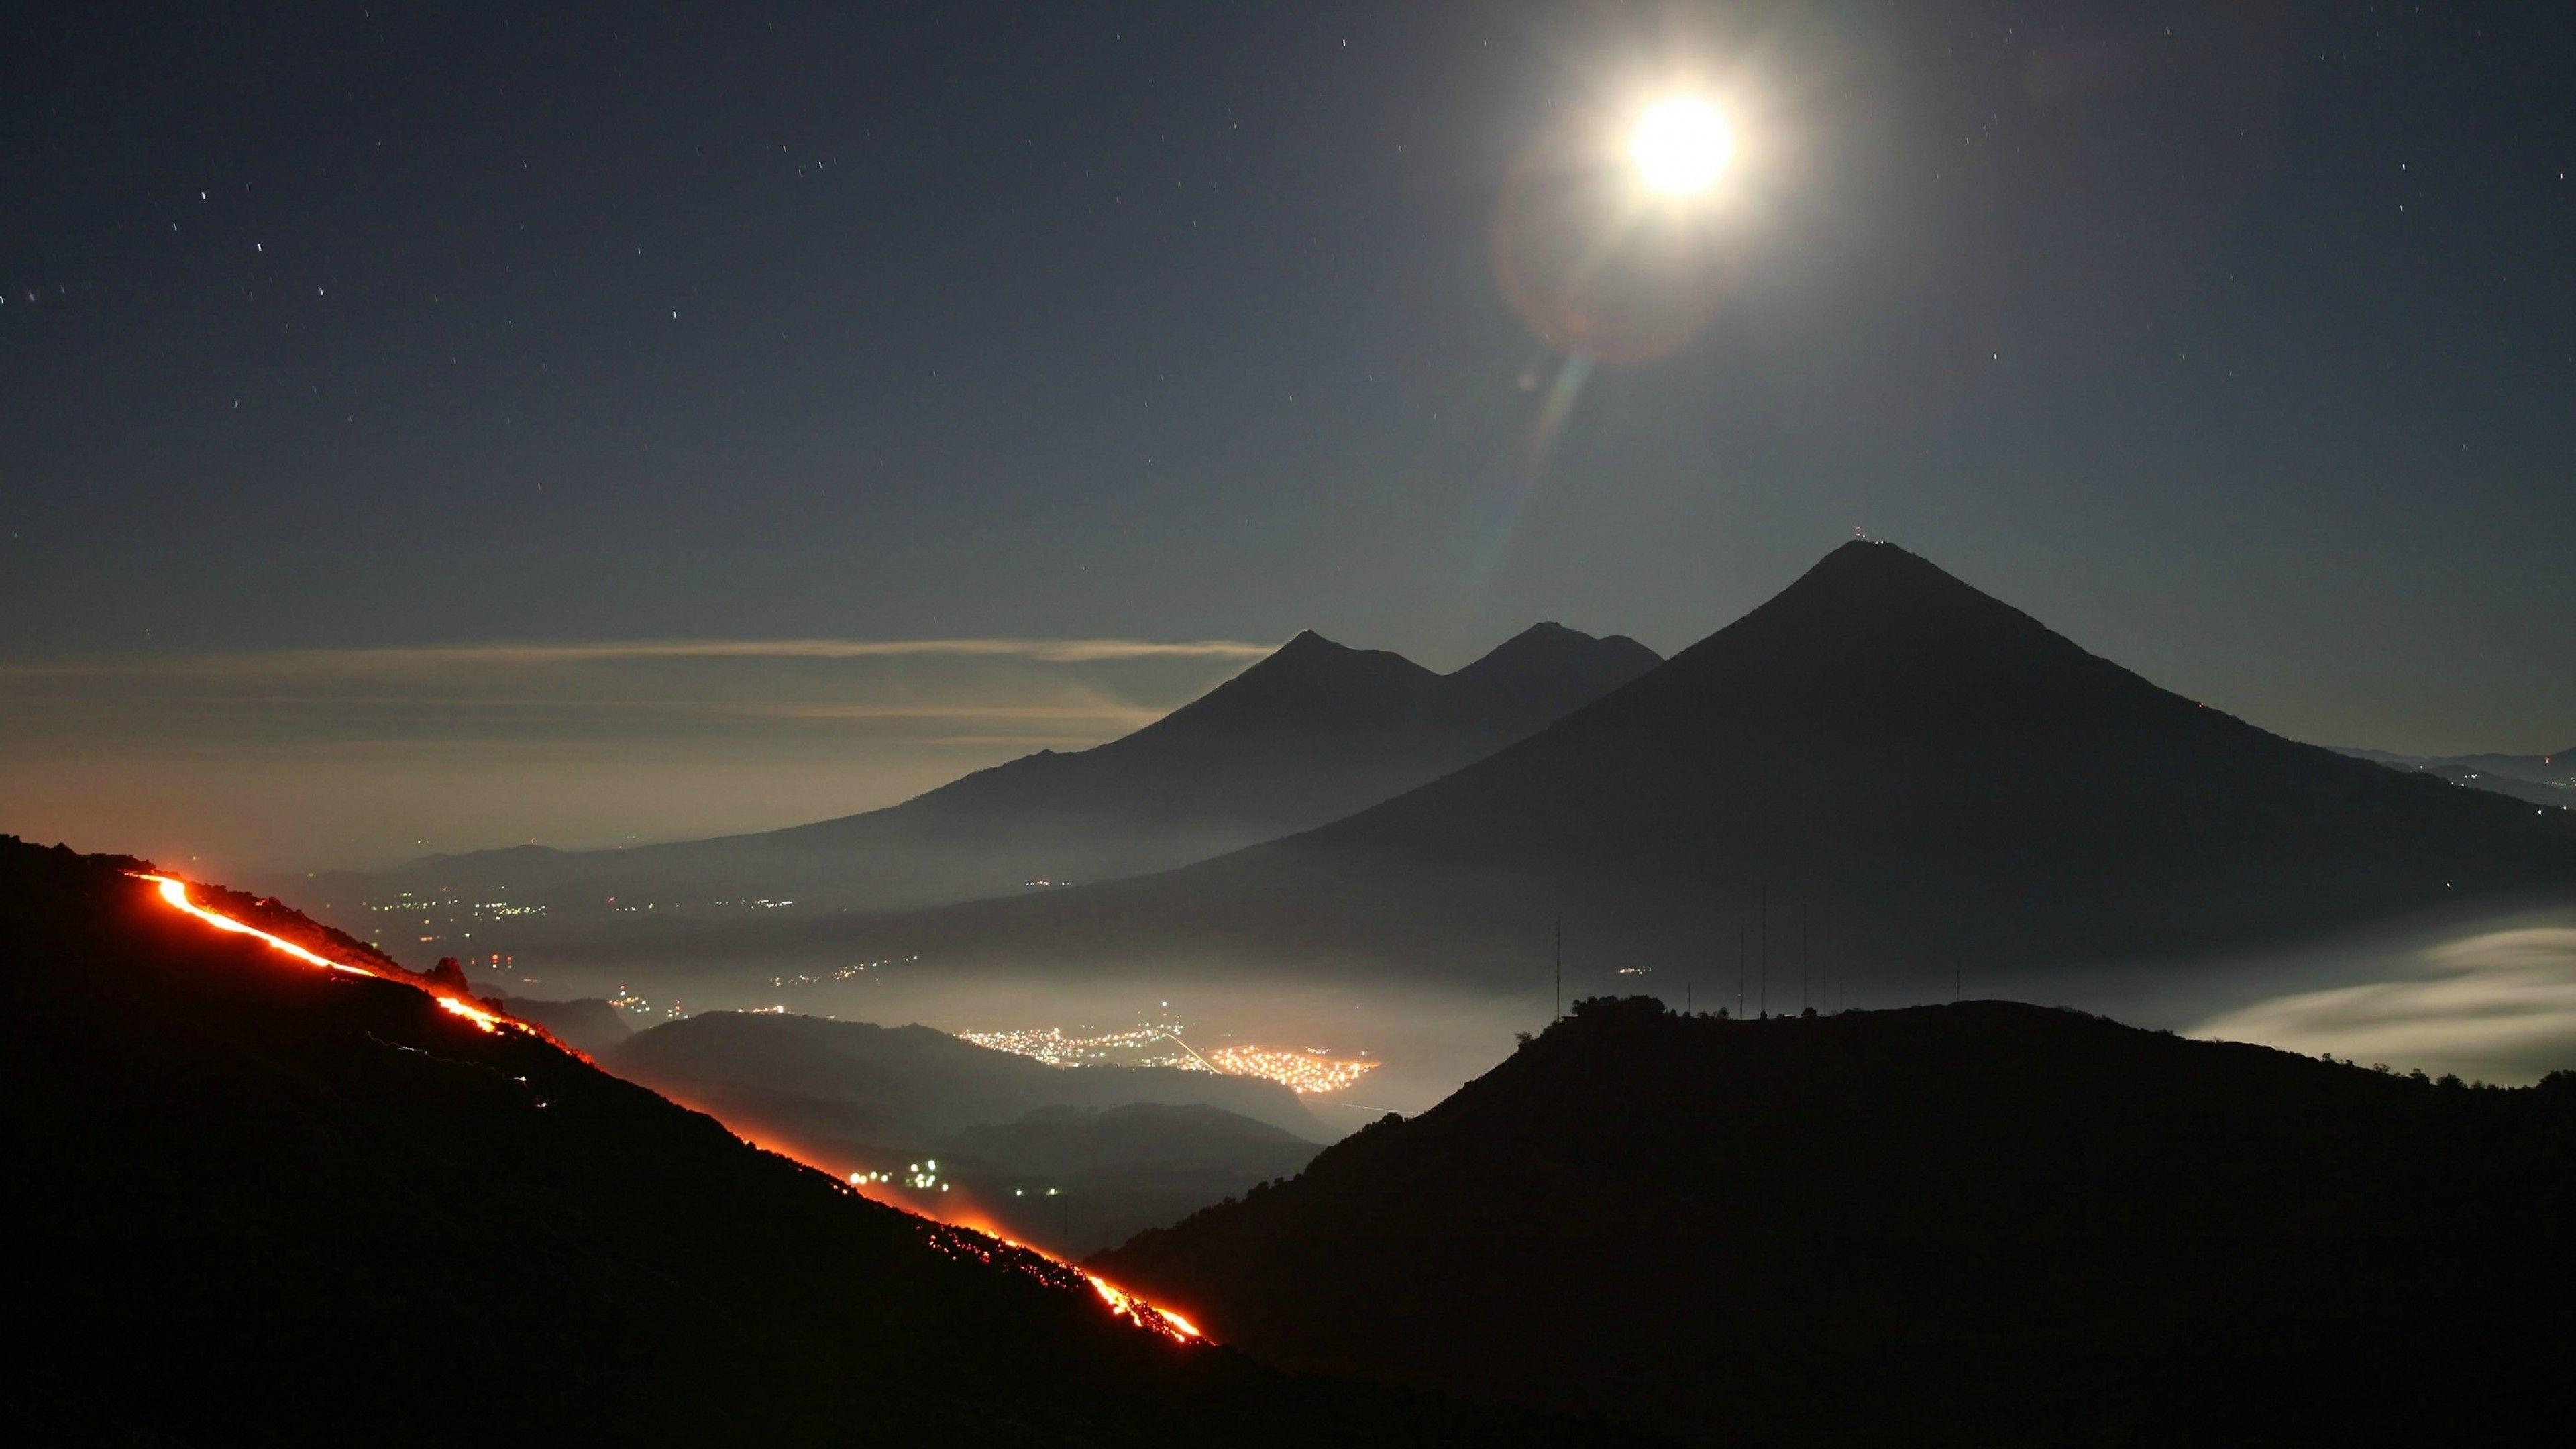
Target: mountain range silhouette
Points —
{"points": [[1312, 732], [1932, 778]]}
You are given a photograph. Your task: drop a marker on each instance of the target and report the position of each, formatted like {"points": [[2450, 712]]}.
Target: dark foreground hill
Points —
{"points": [[1933, 777], [1973, 1224], [258, 1202], [1309, 734]]}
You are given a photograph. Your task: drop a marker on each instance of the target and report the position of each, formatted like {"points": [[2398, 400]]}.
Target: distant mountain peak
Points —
{"points": [[1309, 654], [1308, 679], [1866, 565], [1880, 601], [1542, 631], [1544, 638], [1549, 650], [1310, 650]]}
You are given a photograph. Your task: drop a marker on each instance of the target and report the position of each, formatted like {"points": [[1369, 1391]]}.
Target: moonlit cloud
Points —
{"points": [[2498, 1004], [358, 756], [528, 655]]}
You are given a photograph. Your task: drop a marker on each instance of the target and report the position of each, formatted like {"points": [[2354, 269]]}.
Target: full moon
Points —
{"points": [[1681, 145]]}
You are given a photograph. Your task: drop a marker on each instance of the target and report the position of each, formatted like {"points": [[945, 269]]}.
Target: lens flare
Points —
{"points": [[1681, 145]]}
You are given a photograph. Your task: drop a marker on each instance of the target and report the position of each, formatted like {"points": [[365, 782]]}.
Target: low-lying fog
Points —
{"points": [[2488, 996], [2496, 1004]]}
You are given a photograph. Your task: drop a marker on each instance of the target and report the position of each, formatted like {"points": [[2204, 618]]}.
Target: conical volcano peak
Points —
{"points": [[1870, 600], [1551, 640], [1543, 634], [1308, 653], [1869, 567], [1308, 678]]}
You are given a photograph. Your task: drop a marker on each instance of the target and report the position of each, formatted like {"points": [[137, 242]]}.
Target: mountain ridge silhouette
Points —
{"points": [[1312, 731], [1934, 778]]}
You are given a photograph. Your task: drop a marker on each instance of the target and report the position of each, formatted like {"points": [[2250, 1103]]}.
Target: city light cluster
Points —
{"points": [[475, 911], [626, 1000], [1306, 1070], [1151, 1046], [1298, 1071]]}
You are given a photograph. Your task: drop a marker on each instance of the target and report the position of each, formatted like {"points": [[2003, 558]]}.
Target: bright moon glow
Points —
{"points": [[1681, 145]]}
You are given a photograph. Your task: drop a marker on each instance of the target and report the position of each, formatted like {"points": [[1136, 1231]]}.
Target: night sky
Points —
{"points": [[2237, 341]]}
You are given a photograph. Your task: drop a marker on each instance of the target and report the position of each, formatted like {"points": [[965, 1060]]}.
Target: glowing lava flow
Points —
{"points": [[1137, 1310], [1122, 1303], [1153, 1318], [176, 893]]}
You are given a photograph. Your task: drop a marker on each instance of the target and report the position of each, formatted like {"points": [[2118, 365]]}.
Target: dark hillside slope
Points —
{"points": [[1309, 734], [1985, 1223], [258, 1202], [1936, 777]]}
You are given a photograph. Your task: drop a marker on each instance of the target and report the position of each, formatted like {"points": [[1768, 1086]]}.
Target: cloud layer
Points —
{"points": [[351, 756], [426, 657], [2498, 1004]]}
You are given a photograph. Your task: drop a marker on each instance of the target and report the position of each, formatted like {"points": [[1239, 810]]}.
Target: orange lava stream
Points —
{"points": [[1137, 1310], [1149, 1316], [175, 892], [1122, 1303]]}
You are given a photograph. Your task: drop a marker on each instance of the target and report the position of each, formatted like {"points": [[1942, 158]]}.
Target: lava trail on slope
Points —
{"points": [[956, 1238]]}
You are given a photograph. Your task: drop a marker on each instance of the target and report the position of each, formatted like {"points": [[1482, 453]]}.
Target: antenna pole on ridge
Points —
{"points": [[1766, 948], [1560, 970]]}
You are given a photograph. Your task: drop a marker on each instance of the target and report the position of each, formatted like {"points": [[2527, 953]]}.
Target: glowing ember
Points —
{"points": [[974, 1239]]}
